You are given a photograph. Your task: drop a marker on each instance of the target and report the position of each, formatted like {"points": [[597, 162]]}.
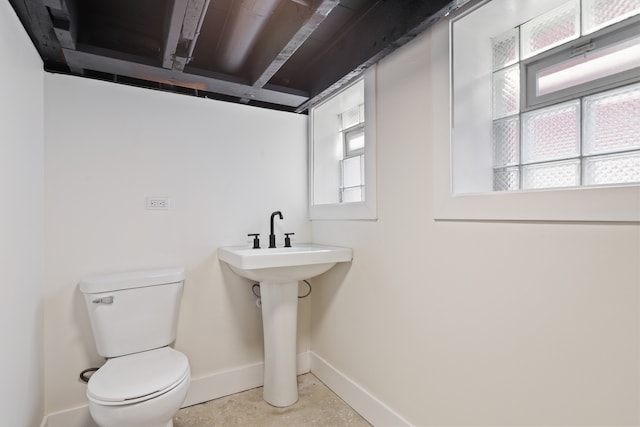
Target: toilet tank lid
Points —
{"points": [[131, 279]]}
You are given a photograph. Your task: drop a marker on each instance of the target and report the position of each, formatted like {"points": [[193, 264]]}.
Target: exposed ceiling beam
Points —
{"points": [[106, 61], [173, 30], [63, 14], [363, 52], [185, 21], [282, 49], [37, 21], [65, 24], [247, 18], [74, 35]]}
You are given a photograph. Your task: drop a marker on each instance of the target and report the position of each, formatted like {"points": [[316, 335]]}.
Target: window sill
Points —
{"points": [[344, 211], [590, 204]]}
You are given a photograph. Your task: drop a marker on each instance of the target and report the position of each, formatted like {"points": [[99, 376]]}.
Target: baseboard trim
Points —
{"points": [[363, 402], [73, 417], [202, 389], [225, 383]]}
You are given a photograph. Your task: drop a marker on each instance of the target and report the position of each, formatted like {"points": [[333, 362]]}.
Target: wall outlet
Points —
{"points": [[158, 203]]}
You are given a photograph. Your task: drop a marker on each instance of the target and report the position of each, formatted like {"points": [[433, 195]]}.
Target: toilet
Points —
{"points": [[134, 318]]}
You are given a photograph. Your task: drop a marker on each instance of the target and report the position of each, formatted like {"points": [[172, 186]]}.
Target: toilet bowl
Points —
{"points": [[139, 390], [133, 318]]}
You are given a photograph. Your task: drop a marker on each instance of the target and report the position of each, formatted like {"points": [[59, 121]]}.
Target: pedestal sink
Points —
{"points": [[278, 270]]}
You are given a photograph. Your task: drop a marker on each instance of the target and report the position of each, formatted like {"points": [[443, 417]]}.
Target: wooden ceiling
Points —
{"points": [[280, 54]]}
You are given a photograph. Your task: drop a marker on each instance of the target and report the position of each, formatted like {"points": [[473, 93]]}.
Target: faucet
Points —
{"points": [[272, 237]]}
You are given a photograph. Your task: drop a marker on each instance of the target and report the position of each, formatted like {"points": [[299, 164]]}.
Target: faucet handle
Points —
{"points": [[287, 239], [256, 241]]}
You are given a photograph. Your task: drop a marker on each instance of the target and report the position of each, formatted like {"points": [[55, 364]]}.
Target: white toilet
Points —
{"points": [[134, 317]]}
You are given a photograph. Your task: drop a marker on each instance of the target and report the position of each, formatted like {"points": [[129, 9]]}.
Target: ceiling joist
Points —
{"points": [[193, 19], [174, 29], [139, 68], [281, 54], [272, 61]]}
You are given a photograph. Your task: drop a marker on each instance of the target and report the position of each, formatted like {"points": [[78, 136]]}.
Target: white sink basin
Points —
{"points": [[283, 264], [279, 270]]}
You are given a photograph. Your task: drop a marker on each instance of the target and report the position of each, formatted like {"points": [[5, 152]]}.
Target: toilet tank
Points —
{"points": [[134, 311]]}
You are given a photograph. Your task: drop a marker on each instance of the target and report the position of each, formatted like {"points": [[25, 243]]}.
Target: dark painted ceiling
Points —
{"points": [[280, 54]]}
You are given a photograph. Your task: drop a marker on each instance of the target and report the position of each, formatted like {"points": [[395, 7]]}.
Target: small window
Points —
{"points": [[352, 163], [354, 141], [574, 94], [342, 173], [586, 66], [520, 123]]}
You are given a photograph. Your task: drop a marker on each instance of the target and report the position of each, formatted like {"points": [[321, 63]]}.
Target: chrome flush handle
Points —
{"points": [[103, 300]]}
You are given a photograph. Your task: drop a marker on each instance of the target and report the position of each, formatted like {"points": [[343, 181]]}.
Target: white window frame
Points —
{"points": [[356, 129], [462, 162], [350, 154], [367, 209], [605, 37]]}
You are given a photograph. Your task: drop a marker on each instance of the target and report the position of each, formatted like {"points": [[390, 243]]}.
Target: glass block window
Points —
{"points": [[506, 179], [612, 121], [597, 14], [506, 49], [352, 188], [551, 175], [352, 163], [551, 29], [354, 142], [506, 92], [612, 169], [506, 141], [551, 133], [352, 117], [342, 152], [592, 138]]}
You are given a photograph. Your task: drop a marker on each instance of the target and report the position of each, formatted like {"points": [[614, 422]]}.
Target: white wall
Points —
{"points": [[474, 323], [448, 323], [21, 224], [226, 167]]}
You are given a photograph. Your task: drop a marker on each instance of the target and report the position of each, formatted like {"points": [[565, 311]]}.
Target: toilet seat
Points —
{"points": [[138, 377]]}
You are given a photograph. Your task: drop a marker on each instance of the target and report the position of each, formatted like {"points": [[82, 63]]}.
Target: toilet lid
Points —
{"points": [[138, 376]]}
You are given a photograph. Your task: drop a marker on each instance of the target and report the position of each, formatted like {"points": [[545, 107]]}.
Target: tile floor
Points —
{"points": [[316, 406]]}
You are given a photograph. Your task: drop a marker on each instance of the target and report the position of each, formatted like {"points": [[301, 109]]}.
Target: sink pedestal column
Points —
{"points": [[279, 321]]}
